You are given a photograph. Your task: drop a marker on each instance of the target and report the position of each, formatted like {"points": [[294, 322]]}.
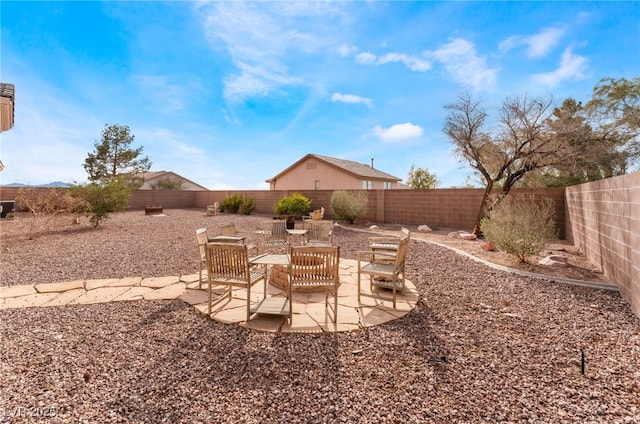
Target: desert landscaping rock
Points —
{"points": [[448, 360]]}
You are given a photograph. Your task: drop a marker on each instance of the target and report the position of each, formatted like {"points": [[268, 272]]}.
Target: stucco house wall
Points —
{"points": [[331, 174]]}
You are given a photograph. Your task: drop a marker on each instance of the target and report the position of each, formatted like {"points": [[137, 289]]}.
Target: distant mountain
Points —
{"points": [[55, 184]]}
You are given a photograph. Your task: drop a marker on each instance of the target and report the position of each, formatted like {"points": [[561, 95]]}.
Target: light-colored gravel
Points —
{"points": [[481, 346]]}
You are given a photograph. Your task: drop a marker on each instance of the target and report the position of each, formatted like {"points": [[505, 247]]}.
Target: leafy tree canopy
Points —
{"points": [[421, 178]]}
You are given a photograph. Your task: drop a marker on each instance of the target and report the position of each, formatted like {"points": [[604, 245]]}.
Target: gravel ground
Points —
{"points": [[481, 346]]}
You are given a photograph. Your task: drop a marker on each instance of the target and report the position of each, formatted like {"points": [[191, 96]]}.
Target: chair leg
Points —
{"points": [[248, 302], [209, 291], [358, 282]]}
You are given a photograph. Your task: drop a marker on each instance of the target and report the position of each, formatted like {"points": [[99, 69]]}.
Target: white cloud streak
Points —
{"points": [[572, 67], [260, 37], [537, 45], [461, 60], [412, 62], [397, 132], [351, 98]]}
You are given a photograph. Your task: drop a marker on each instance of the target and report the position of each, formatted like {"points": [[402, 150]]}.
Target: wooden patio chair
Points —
{"points": [[319, 233], [228, 265], [274, 234], [385, 269], [315, 267], [388, 245], [201, 241]]}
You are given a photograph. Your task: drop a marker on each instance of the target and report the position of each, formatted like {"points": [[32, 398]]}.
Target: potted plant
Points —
{"points": [[291, 207]]}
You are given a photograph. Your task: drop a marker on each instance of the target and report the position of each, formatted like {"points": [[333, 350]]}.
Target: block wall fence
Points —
{"points": [[602, 218]]}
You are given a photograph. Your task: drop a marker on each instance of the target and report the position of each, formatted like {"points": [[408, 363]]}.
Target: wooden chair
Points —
{"points": [[315, 215], [385, 269], [387, 245], [228, 265], [319, 233], [201, 241], [229, 228], [315, 267], [274, 233]]}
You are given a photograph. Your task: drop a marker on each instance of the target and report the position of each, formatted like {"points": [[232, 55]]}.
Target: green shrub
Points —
{"points": [[520, 226], [348, 205], [293, 205], [237, 203], [104, 198], [231, 204], [246, 205]]}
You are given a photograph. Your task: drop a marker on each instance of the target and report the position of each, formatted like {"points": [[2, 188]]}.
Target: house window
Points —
{"points": [[317, 185], [386, 185], [367, 185], [311, 165]]}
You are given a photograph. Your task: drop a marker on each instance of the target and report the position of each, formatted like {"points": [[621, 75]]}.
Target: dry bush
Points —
{"points": [[46, 208], [520, 226]]}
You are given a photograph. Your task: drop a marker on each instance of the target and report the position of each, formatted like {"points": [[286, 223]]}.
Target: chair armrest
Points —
{"points": [[372, 253]]}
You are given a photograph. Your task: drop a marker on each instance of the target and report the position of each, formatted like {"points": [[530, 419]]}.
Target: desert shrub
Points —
{"points": [[295, 204], [237, 203], [246, 205], [520, 226], [46, 207], [104, 198], [348, 205]]}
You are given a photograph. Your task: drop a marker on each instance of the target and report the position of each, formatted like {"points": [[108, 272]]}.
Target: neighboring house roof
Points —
{"points": [[154, 176], [7, 105], [355, 168]]}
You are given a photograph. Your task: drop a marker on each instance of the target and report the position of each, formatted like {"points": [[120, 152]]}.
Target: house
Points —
{"points": [[7, 100], [316, 172], [160, 180]]}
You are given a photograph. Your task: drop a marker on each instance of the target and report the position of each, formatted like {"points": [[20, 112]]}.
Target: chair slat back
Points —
{"points": [[201, 240], [274, 230], [319, 264], [227, 260], [320, 231], [228, 228], [403, 247]]}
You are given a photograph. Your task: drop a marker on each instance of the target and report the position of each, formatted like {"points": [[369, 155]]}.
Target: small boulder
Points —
{"points": [[453, 234], [374, 227], [424, 228], [488, 246], [468, 236], [554, 260]]}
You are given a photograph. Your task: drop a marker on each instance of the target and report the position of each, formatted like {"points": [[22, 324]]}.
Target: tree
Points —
{"points": [[521, 143], [421, 178], [113, 157], [615, 106]]}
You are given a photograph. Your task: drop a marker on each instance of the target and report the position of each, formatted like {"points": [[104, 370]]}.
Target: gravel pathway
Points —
{"points": [[481, 346]]}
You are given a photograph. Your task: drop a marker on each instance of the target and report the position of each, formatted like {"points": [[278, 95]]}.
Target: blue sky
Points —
{"points": [[229, 94]]}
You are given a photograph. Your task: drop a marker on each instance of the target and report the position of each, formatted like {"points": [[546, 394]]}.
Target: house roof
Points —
{"points": [[355, 168], [157, 175]]}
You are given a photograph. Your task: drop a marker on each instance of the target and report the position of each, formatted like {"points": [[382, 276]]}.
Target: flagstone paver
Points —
{"points": [[309, 312], [59, 287]]}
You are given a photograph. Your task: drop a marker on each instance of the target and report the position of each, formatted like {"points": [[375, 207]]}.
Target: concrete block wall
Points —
{"points": [[603, 219]]}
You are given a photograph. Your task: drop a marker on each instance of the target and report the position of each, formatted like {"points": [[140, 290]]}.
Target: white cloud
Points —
{"points": [[366, 58], [351, 98], [345, 50], [411, 62], [397, 132], [538, 45], [460, 58], [572, 66], [168, 94], [260, 37]]}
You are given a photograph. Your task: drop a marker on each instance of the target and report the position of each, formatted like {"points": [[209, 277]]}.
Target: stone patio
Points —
{"points": [[309, 312]]}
